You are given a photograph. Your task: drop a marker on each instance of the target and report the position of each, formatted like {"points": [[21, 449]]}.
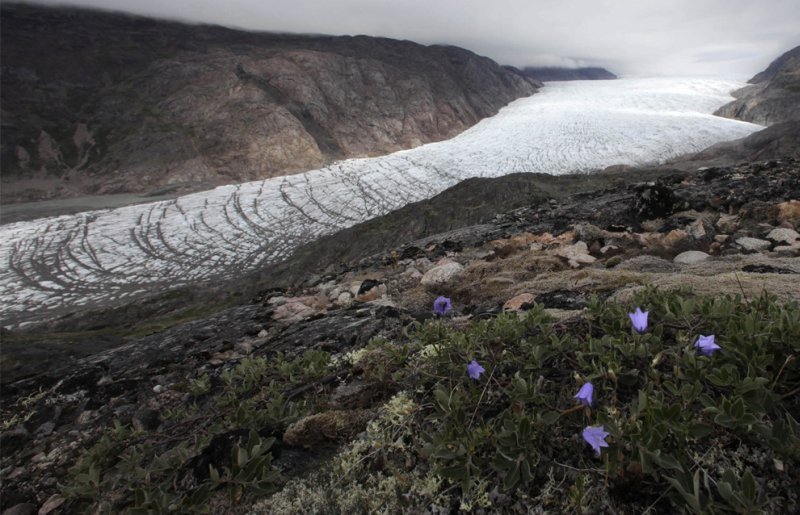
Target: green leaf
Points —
{"points": [[724, 420], [442, 400], [749, 486], [737, 408], [213, 474], [727, 493], [512, 477], [664, 460], [241, 457], [700, 430], [549, 418], [457, 472], [642, 401], [689, 497]]}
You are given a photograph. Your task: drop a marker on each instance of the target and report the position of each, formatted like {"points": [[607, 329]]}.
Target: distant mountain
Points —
{"points": [[99, 102], [773, 96], [778, 66], [545, 74]]}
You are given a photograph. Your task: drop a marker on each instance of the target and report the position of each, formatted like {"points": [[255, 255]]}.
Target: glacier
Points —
{"points": [[53, 266]]}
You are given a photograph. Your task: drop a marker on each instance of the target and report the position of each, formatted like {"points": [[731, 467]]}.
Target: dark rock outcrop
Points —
{"points": [[773, 96], [95, 102], [546, 73], [780, 141]]}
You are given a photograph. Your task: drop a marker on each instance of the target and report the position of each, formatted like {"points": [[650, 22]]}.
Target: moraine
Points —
{"points": [[53, 266]]}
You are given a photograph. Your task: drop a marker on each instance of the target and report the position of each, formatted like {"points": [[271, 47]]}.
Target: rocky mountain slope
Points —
{"points": [[547, 73], [773, 96], [146, 106]]}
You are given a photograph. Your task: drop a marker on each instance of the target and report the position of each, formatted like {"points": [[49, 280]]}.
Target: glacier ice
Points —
{"points": [[56, 265]]}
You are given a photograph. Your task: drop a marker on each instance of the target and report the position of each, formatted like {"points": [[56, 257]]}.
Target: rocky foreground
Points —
{"points": [[315, 363]]}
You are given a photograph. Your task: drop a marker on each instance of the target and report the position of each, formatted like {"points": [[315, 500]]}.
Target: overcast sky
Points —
{"points": [[732, 38]]}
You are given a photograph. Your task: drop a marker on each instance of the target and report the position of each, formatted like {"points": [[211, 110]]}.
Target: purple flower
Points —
{"points": [[596, 437], [584, 395], [474, 370], [706, 345], [442, 305], [639, 320]]}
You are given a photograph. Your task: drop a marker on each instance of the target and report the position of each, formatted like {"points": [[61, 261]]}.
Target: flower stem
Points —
{"points": [[488, 382]]}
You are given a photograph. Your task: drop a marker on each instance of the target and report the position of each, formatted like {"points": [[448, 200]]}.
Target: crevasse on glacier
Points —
{"points": [[55, 265]]}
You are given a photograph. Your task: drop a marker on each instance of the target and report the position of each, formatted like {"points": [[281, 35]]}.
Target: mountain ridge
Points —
{"points": [[773, 95], [147, 106], [555, 73]]}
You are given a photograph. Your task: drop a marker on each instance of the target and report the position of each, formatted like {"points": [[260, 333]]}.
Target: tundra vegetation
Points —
{"points": [[687, 430]]}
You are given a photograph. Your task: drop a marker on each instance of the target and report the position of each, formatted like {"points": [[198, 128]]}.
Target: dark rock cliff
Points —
{"points": [[773, 96], [546, 73], [96, 102]]}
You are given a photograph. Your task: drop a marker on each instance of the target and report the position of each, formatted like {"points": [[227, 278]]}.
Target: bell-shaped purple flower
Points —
{"points": [[639, 320], [584, 395], [442, 305], [596, 437], [706, 346], [474, 370]]}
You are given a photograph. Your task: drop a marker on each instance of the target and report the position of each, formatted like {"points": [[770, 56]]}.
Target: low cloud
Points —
{"points": [[556, 61], [733, 38]]}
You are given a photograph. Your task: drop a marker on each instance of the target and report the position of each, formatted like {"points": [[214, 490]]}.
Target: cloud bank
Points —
{"points": [[730, 38]]}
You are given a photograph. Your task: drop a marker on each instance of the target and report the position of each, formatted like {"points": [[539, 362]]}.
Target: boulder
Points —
{"points": [[789, 211], [654, 201], [25, 508], [517, 303], [782, 235], [441, 274], [697, 230], [53, 503], [329, 426], [295, 309], [728, 223], [690, 257], [753, 244], [372, 294], [576, 255], [788, 250]]}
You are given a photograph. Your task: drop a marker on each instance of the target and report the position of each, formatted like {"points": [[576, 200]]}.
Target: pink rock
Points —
{"points": [[789, 211], [674, 237], [296, 309], [576, 255], [516, 303]]}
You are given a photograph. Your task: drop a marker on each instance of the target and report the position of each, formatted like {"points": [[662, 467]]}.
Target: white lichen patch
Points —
{"points": [[350, 484]]}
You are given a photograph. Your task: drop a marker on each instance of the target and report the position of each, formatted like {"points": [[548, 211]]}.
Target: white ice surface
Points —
{"points": [[56, 265]]}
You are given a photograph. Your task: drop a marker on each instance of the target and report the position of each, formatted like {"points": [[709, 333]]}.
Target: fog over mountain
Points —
{"points": [[734, 38]]}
